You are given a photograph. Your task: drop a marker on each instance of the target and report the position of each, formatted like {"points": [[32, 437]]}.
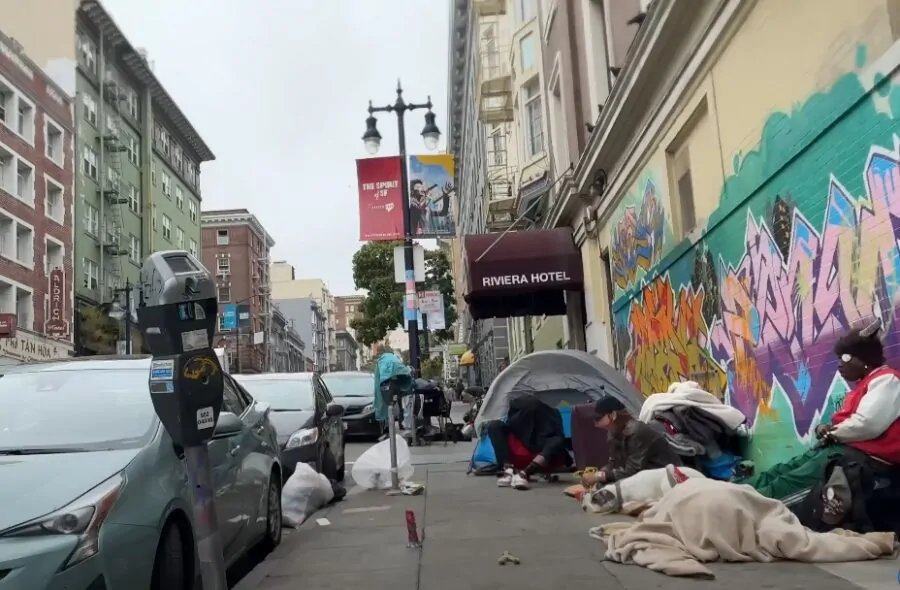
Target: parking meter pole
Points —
{"points": [[206, 530], [392, 435], [178, 317]]}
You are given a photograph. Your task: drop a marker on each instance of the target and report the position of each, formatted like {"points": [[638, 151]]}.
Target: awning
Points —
{"points": [[522, 273], [467, 359]]}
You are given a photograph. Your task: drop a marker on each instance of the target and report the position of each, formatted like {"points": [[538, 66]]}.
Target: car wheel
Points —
{"points": [[273, 514], [169, 568]]}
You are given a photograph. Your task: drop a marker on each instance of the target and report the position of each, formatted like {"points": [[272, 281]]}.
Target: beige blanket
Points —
{"points": [[703, 520]]}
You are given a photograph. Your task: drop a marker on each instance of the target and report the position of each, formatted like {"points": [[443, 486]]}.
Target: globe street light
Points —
{"points": [[372, 139]]}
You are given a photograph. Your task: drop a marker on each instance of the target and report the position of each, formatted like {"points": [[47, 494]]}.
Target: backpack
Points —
{"points": [[840, 498]]}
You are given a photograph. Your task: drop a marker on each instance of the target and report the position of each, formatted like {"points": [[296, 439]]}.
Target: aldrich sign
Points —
{"points": [[536, 278]]}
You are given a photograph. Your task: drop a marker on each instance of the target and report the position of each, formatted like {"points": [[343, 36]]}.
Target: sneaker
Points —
{"points": [[519, 482], [505, 479]]}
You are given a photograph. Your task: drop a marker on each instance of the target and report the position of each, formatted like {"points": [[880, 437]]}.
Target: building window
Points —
{"points": [[133, 149], [17, 300], [90, 109], [25, 120], [224, 265], [91, 272], [525, 10], [134, 250], [527, 52], [559, 141], [224, 294], [179, 197], [53, 200], [153, 172], [25, 181], [131, 101], [153, 217], [89, 162], [222, 238], [53, 141], [87, 51], [534, 119], [91, 219], [684, 190], [179, 238], [134, 198], [167, 227], [166, 185], [192, 211], [54, 254], [192, 247], [16, 240]]}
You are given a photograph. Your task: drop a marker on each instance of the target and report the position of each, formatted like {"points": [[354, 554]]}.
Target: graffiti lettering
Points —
{"points": [[637, 239], [783, 310], [669, 341]]}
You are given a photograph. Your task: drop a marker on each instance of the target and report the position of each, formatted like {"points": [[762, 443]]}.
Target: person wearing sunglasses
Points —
{"points": [[867, 423]]}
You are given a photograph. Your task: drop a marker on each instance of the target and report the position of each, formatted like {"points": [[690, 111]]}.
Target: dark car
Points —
{"points": [[306, 417], [355, 390]]}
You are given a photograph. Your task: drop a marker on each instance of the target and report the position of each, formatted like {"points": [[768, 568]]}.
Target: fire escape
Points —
{"points": [[110, 186], [495, 101], [264, 290]]}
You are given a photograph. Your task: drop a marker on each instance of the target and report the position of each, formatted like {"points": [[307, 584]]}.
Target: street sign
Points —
{"points": [[229, 317]]}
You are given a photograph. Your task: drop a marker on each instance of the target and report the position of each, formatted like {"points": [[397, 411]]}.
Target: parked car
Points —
{"points": [[94, 492], [355, 390], [307, 418]]}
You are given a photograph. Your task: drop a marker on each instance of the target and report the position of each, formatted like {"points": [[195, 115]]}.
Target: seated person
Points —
{"points": [[540, 430], [633, 445], [868, 422]]}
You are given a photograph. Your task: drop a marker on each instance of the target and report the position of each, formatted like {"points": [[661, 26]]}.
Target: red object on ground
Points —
{"points": [[411, 530], [520, 456]]}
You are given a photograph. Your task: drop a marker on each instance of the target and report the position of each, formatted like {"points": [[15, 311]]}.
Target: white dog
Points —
{"points": [[642, 488]]}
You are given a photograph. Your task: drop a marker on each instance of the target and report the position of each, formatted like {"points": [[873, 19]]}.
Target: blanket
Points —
{"points": [[703, 520], [689, 393]]}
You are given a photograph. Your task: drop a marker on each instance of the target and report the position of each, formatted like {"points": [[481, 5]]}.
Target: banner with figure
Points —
{"points": [[432, 196]]}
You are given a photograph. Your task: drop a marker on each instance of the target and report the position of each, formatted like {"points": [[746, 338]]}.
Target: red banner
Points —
{"points": [[380, 199]]}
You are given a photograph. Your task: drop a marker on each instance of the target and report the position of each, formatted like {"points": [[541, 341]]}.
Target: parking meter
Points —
{"points": [[178, 316], [390, 391]]}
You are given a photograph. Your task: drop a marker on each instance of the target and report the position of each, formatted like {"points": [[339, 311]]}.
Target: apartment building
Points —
{"points": [[137, 183], [36, 192], [235, 248], [347, 307], [311, 305], [347, 352], [287, 346]]}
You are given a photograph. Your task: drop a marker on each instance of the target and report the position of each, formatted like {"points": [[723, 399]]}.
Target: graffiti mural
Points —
{"points": [[637, 238], [670, 340], [803, 247]]}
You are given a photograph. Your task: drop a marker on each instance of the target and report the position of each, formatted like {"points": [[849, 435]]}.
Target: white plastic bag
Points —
{"points": [[373, 468], [304, 492]]}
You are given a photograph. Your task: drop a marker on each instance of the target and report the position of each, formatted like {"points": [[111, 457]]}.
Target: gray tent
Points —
{"points": [[558, 378]]}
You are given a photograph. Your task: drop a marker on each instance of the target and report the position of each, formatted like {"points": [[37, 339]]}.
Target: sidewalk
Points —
{"points": [[469, 523]]}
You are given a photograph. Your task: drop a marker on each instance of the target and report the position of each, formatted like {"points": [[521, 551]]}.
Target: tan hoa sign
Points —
{"points": [[28, 347]]}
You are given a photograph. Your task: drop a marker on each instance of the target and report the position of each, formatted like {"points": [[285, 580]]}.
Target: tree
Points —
{"points": [[433, 368], [382, 309], [98, 331]]}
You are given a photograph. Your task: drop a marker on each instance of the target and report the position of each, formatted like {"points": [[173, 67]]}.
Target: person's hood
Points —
{"points": [[38, 485], [287, 423]]}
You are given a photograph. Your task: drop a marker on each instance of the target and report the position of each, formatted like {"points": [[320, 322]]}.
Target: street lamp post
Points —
{"points": [[372, 139], [124, 314]]}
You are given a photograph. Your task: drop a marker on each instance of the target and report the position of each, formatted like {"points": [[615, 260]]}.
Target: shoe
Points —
{"points": [[519, 481], [505, 479]]}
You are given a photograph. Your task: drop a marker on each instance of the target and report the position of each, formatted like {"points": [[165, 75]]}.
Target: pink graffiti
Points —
{"points": [[786, 315]]}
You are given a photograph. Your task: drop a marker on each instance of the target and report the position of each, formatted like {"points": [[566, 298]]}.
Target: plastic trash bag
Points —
{"points": [[373, 468], [304, 492]]}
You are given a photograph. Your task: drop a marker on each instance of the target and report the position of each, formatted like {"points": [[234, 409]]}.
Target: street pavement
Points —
{"points": [[467, 523]]}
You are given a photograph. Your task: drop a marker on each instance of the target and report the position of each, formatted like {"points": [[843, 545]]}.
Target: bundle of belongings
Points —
{"points": [[701, 520], [706, 433]]}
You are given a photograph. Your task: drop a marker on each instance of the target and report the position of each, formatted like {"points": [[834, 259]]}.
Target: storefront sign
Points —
{"points": [[28, 347], [537, 278], [56, 325]]}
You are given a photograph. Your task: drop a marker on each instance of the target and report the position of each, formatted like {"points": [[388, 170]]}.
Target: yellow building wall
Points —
{"points": [[788, 131]]}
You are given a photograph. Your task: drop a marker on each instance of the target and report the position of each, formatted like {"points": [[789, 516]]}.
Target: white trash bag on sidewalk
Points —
{"points": [[304, 492], [373, 468]]}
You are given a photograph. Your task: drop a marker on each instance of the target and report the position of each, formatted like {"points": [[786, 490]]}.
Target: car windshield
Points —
{"points": [[75, 409], [350, 385], [283, 395]]}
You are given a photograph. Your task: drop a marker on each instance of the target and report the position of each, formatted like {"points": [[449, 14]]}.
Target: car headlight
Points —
{"points": [[302, 438], [369, 408], [83, 518]]}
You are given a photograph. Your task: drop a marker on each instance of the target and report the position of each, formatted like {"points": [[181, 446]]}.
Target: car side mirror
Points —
{"points": [[334, 410], [228, 425], [263, 408]]}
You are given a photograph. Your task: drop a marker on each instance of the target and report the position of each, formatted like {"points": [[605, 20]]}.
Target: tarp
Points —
{"points": [[559, 378], [390, 366]]}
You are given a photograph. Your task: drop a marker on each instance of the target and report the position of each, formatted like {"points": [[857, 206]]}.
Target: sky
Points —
{"points": [[279, 88]]}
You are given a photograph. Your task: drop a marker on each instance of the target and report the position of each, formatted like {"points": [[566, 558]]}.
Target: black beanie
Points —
{"points": [[607, 405]]}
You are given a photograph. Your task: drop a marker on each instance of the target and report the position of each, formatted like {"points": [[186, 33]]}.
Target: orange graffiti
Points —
{"points": [[669, 341]]}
